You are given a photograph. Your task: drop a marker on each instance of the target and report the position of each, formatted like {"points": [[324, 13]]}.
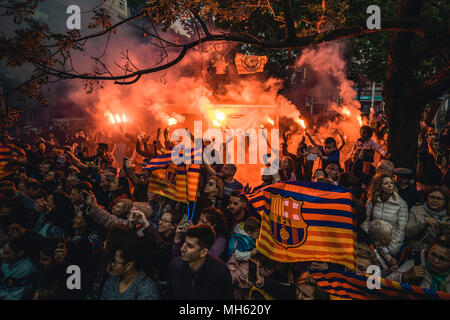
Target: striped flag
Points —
{"points": [[178, 182], [350, 286], [9, 152], [306, 221]]}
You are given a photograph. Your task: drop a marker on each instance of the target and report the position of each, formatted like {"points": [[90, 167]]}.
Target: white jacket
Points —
{"points": [[393, 211]]}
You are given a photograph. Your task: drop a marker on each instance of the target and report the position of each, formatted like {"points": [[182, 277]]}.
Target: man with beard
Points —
{"points": [[236, 210]]}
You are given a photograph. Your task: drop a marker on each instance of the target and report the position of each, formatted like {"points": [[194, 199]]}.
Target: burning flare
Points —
{"points": [[346, 111], [301, 122], [271, 121], [216, 123], [172, 121], [220, 116], [359, 120], [111, 118]]}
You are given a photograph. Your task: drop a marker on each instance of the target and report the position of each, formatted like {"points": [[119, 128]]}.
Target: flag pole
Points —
{"points": [[187, 186]]}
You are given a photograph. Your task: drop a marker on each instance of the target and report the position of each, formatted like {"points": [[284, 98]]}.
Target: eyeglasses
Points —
{"points": [[211, 183], [438, 258], [165, 220], [436, 198]]}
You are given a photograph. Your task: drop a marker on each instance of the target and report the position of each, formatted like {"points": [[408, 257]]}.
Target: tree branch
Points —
{"points": [[202, 23], [396, 25], [431, 88]]}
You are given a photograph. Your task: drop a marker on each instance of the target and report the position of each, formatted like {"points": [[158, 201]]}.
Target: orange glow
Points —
{"points": [[359, 120], [346, 111], [220, 116], [124, 118], [271, 121], [111, 118], [118, 118], [172, 121], [301, 122], [216, 123]]}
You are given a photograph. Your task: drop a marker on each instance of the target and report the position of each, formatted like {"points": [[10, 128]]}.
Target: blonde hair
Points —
{"points": [[379, 229], [376, 188]]}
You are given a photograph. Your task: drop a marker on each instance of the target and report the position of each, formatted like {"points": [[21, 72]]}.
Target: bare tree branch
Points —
{"points": [[202, 23], [397, 25], [289, 20], [431, 88]]}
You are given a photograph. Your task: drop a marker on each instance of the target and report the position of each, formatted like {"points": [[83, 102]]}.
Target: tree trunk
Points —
{"points": [[434, 108], [403, 118], [403, 133]]}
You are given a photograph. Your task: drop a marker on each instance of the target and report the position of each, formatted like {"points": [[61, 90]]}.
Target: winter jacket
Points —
{"points": [[240, 243], [409, 194], [17, 279], [211, 282], [394, 211], [426, 282], [418, 233], [47, 229], [105, 219], [142, 288]]}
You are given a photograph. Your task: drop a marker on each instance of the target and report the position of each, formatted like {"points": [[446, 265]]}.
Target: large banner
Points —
{"points": [[306, 221], [177, 182]]}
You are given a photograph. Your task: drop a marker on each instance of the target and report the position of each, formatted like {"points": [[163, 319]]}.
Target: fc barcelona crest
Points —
{"points": [[286, 222], [171, 175]]}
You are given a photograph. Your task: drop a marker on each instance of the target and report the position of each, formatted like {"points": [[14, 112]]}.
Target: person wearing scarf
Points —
{"points": [[438, 280], [429, 270], [425, 222]]}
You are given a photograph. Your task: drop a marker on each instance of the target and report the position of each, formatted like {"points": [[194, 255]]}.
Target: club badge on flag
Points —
{"points": [[306, 221], [246, 64], [288, 228]]}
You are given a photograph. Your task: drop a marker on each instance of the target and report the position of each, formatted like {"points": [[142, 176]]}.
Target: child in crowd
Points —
{"points": [[329, 152], [365, 142], [381, 233], [243, 240]]}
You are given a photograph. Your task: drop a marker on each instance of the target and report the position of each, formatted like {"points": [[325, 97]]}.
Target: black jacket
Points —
{"points": [[211, 282]]}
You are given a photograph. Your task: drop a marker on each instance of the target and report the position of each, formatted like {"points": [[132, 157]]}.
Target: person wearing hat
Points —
{"points": [[406, 189]]}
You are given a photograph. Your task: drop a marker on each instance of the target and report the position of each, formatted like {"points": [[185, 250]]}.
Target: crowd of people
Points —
{"points": [[61, 206]]}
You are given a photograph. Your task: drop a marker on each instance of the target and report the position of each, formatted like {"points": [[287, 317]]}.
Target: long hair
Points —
{"points": [[216, 217], [63, 213], [290, 169], [124, 185], [376, 187], [219, 185]]}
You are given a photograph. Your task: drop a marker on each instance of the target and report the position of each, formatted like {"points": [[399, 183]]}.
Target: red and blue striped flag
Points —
{"points": [[178, 182], [306, 221], [351, 286]]}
